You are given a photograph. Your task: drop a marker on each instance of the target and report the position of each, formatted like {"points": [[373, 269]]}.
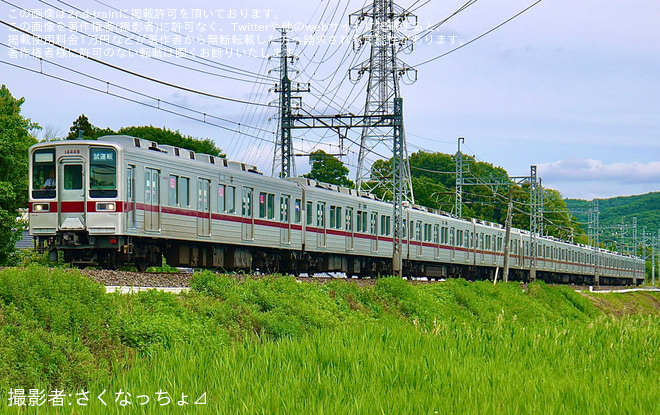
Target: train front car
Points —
{"points": [[75, 205]]}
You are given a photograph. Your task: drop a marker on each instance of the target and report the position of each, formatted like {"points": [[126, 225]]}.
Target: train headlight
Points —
{"points": [[105, 207], [41, 207]]}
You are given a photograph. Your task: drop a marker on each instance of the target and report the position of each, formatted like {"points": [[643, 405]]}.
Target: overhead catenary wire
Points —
{"points": [[147, 42], [139, 53], [118, 68], [478, 37], [108, 92]]}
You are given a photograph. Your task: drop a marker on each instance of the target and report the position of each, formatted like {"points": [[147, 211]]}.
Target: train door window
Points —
{"points": [[418, 230], [296, 215], [436, 236], [499, 244], [481, 241], [203, 190], [221, 198], [320, 214], [102, 172], [130, 193], [43, 167], [373, 223], [173, 190], [404, 229], [73, 177], [452, 236], [488, 243], [310, 213], [247, 202], [284, 208], [349, 219], [184, 192], [230, 199]]}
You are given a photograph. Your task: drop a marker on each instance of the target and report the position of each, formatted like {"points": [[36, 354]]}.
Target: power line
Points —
{"points": [[216, 65], [478, 37], [107, 92], [148, 78]]}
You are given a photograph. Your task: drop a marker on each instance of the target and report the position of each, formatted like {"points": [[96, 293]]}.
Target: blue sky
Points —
{"points": [[571, 87]]}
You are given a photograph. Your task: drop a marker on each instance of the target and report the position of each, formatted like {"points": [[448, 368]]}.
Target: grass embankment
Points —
{"points": [[276, 345]]}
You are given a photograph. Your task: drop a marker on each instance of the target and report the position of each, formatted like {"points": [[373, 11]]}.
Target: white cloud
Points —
{"points": [[587, 170]]}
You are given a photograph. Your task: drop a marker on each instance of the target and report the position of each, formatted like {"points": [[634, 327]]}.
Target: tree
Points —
{"points": [[328, 169], [173, 138], [82, 128], [15, 140]]}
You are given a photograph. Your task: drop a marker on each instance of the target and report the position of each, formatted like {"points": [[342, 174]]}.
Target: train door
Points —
{"points": [[151, 200], [71, 195], [285, 220], [131, 217], [320, 222], [203, 207], [247, 225], [373, 228], [418, 238], [452, 243], [350, 236]]}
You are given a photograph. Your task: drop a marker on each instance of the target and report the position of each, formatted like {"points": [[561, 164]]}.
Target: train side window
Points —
{"points": [[230, 199], [184, 192], [310, 214], [174, 190], [262, 205], [221, 198], [333, 213], [360, 225], [296, 215], [270, 208]]}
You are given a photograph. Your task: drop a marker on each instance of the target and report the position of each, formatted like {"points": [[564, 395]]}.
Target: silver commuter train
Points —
{"points": [[125, 199]]}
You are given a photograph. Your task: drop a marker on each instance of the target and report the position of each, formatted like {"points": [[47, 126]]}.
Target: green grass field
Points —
{"points": [[275, 345]]}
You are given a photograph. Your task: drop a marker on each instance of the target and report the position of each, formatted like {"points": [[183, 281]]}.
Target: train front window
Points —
{"points": [[43, 174], [102, 172]]}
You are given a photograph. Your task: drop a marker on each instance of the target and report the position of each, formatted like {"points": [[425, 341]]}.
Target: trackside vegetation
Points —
{"points": [[276, 345]]}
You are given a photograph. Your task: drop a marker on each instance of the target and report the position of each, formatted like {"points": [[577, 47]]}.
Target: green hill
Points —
{"points": [[646, 208]]}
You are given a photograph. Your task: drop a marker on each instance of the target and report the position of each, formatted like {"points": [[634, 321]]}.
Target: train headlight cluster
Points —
{"points": [[105, 207], [41, 207]]}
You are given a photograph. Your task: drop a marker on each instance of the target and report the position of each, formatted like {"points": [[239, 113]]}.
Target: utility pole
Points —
{"points": [[459, 179], [507, 238]]}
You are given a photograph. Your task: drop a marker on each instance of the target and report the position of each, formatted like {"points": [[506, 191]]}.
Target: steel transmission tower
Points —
{"points": [[283, 153], [385, 71]]}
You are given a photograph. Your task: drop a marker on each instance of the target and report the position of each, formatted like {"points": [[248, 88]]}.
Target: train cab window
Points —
{"points": [[102, 172], [296, 213], [230, 199], [43, 174], [73, 177]]}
